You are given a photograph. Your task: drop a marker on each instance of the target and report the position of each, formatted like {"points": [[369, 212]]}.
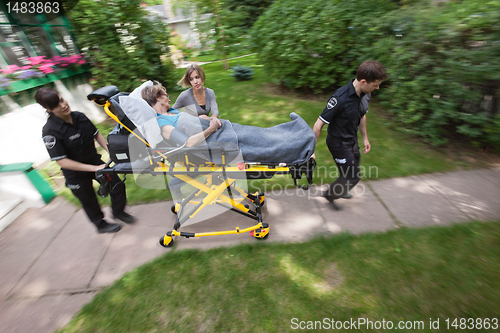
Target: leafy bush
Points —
{"points": [[123, 45], [305, 44], [242, 73], [443, 62]]}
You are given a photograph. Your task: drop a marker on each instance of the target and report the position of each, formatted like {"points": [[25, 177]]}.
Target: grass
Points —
{"points": [[209, 56], [403, 275], [259, 102]]}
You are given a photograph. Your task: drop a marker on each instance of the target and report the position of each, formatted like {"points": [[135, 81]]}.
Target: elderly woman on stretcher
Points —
{"points": [[288, 143]]}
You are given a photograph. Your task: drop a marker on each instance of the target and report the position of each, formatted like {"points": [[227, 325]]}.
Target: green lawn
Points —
{"points": [[409, 275]]}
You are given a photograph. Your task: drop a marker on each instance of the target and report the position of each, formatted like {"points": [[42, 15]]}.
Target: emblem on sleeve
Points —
{"points": [[49, 141], [332, 103]]}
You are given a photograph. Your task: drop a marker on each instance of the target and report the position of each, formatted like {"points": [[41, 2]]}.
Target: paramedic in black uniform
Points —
{"points": [[344, 113], [69, 139]]}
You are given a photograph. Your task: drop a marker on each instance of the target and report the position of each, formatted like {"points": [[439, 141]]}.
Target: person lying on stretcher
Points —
{"points": [[287, 143], [157, 97]]}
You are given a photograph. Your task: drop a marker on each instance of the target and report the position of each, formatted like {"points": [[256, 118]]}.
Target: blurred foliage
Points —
{"points": [[307, 45], [442, 60], [123, 44], [443, 68], [226, 30], [244, 13]]}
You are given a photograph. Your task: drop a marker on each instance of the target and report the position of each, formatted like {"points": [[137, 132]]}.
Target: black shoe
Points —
{"points": [[124, 217], [108, 227], [331, 202], [347, 196]]}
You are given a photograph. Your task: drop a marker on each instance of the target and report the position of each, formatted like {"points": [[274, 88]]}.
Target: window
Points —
{"points": [[24, 36]]}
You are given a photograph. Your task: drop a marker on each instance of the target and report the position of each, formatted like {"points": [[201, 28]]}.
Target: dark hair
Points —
{"points": [[48, 98], [150, 94], [185, 81], [370, 71]]}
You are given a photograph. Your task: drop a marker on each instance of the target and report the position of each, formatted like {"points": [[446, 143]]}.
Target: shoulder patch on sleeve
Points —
{"points": [[332, 102], [49, 141]]}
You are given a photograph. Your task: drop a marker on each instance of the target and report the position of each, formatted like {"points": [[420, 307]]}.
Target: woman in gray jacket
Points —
{"points": [[197, 100]]}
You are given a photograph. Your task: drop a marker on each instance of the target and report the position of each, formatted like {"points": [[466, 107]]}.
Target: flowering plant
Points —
{"points": [[39, 67]]}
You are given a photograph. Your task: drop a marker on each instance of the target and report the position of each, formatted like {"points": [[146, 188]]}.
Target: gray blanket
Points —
{"points": [[292, 142]]}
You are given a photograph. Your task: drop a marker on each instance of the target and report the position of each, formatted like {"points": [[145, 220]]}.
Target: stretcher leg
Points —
{"points": [[260, 231]]}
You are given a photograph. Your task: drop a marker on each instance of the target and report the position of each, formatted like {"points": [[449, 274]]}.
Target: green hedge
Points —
{"points": [[307, 44], [444, 67], [442, 60]]}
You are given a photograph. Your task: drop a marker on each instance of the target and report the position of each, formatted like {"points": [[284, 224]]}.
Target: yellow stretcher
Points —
{"points": [[218, 183]]}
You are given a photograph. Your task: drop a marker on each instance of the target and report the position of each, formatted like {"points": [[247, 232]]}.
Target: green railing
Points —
{"points": [[46, 192]]}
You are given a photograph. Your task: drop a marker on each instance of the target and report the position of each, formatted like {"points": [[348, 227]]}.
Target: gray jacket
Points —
{"points": [[186, 100]]}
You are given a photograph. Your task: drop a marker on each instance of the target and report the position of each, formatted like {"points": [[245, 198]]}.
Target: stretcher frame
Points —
{"points": [[178, 162]]}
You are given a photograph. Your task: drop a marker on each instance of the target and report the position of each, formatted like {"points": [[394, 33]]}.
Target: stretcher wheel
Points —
{"points": [[265, 237], [260, 233], [262, 198], [166, 238], [175, 208]]}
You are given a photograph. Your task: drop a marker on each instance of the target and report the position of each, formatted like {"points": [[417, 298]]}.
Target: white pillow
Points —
{"points": [[142, 115]]}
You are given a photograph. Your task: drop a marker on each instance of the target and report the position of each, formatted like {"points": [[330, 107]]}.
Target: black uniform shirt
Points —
{"points": [[344, 111], [74, 141]]}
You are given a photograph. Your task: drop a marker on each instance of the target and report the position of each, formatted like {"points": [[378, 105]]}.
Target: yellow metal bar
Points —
{"points": [[209, 192], [115, 118], [164, 168], [220, 233], [212, 194]]}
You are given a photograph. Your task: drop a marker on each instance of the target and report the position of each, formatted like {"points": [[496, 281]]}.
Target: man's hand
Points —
{"points": [[367, 145]]}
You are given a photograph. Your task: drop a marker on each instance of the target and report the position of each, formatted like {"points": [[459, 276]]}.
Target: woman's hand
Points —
{"points": [[99, 167], [66, 163], [197, 138], [215, 123]]}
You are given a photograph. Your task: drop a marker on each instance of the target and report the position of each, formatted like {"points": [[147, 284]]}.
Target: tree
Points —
{"points": [[123, 44]]}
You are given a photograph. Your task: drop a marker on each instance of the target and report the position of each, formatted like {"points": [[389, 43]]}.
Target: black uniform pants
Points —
{"points": [[346, 155], [83, 189]]}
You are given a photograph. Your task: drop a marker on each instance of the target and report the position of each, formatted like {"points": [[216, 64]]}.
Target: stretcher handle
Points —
{"points": [[197, 149], [302, 186], [115, 118], [309, 172]]}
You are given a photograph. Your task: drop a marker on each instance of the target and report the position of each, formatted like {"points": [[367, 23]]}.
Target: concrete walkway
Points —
{"points": [[52, 261]]}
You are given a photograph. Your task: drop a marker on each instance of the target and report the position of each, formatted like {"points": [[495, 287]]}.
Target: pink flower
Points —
{"points": [[36, 60], [25, 67], [11, 69], [81, 62], [46, 68]]}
